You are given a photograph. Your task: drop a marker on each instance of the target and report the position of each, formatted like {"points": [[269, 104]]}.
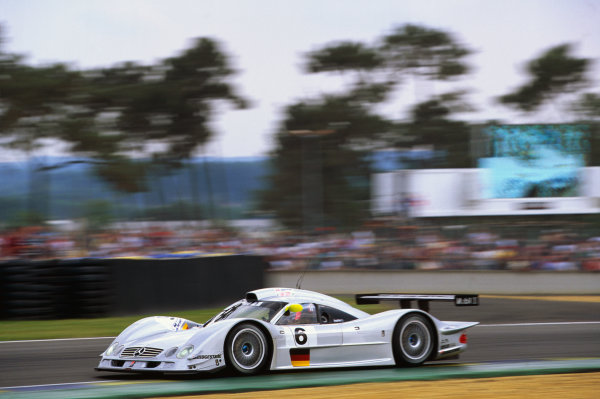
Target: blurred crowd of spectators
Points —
{"points": [[43, 243], [410, 247], [434, 249]]}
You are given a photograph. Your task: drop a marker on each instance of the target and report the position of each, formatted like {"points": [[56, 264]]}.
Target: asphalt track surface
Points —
{"points": [[511, 330]]}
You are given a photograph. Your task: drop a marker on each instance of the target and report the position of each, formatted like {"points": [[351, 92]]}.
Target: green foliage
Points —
{"points": [[124, 175], [34, 101], [344, 57], [553, 73], [163, 112], [108, 115], [425, 52], [588, 107], [320, 168], [431, 125], [594, 159], [170, 102]]}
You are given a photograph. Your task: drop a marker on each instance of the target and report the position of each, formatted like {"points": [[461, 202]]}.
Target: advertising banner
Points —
{"points": [[529, 161]]}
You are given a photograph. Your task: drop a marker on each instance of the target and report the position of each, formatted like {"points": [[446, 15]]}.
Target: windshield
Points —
{"points": [[261, 310]]}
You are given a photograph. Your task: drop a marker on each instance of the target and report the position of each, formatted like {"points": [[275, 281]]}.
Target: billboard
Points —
{"points": [[528, 161]]}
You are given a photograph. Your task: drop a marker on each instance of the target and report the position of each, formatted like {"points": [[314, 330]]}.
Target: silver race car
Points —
{"points": [[283, 328]]}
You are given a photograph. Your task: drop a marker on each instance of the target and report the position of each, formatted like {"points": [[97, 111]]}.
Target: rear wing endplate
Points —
{"points": [[405, 300]]}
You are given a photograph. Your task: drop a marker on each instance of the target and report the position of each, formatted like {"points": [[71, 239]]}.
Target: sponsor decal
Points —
{"points": [[206, 357], [179, 324], [466, 300], [283, 292], [300, 357], [202, 364]]}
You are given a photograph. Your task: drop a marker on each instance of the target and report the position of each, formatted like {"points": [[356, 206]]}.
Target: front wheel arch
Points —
{"points": [[235, 366]]}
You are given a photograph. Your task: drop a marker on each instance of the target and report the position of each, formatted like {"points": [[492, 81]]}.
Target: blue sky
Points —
{"points": [[267, 39]]}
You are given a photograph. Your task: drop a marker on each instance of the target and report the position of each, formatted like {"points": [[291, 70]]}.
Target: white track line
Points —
{"points": [[60, 384], [558, 323], [55, 339]]}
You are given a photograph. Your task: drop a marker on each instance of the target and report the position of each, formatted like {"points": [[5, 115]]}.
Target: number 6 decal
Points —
{"points": [[300, 336]]}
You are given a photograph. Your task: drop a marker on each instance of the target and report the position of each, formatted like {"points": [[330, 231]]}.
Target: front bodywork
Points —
{"points": [[162, 347], [174, 345]]}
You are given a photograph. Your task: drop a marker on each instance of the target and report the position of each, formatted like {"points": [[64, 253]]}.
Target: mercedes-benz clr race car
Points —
{"points": [[282, 329]]}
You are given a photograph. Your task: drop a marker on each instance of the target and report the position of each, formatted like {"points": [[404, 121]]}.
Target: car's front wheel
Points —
{"points": [[412, 340], [247, 349]]}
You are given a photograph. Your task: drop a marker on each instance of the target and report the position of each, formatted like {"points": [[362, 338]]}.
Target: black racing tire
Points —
{"points": [[247, 349], [413, 340]]}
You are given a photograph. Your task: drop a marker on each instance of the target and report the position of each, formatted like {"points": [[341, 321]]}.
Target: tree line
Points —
{"points": [[131, 120]]}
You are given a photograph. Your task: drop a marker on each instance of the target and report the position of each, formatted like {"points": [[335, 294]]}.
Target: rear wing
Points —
{"points": [[422, 300]]}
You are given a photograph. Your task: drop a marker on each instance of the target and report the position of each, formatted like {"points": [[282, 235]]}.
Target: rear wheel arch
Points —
{"points": [[413, 354]]}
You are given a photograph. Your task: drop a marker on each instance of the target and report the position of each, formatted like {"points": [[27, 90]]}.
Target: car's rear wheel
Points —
{"points": [[413, 340], [247, 349]]}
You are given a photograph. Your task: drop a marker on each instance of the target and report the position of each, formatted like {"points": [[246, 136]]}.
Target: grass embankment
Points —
{"points": [[83, 328]]}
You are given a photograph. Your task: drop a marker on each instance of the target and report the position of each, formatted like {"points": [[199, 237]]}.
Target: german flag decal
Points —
{"points": [[300, 357]]}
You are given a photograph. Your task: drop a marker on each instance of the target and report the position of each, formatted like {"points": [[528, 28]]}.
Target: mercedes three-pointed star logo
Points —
{"points": [[139, 352]]}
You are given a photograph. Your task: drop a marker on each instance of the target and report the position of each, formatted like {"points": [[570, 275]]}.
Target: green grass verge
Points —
{"points": [[110, 326], [82, 328]]}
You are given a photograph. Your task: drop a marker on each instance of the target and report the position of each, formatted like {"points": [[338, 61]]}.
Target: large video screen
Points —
{"points": [[527, 161]]}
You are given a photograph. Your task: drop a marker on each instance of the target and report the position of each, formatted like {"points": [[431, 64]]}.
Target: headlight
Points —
{"points": [[185, 351], [111, 349]]}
